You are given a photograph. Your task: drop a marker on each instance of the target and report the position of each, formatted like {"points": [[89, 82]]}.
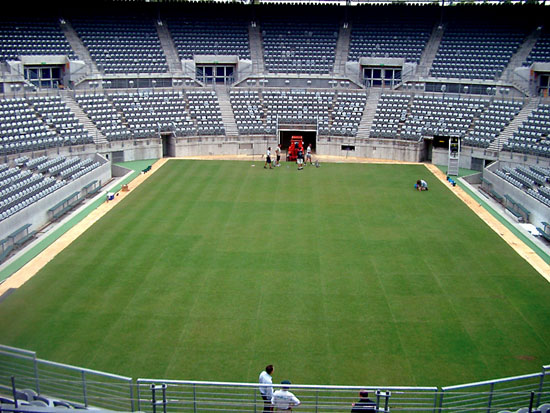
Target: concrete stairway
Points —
{"points": [[368, 113], [228, 117], [169, 48], [342, 50], [99, 137], [428, 55], [78, 46], [256, 49], [509, 130], [521, 54]]}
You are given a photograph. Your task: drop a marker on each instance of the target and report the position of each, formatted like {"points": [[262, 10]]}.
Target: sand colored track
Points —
{"points": [[37, 263]]}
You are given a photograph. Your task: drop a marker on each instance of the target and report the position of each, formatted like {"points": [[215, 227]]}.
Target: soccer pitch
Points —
{"points": [[342, 274]]}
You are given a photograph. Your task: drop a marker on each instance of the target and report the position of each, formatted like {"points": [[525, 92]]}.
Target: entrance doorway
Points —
{"points": [[427, 151], [168, 145], [308, 136]]}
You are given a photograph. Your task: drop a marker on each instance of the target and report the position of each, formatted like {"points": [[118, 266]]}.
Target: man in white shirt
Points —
{"points": [[267, 391], [284, 399], [268, 158]]}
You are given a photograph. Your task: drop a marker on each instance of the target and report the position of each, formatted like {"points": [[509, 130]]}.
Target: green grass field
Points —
{"points": [[342, 274]]}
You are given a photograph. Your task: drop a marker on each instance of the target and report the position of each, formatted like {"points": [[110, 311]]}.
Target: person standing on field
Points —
{"points": [[308, 154], [268, 158], [278, 153]]}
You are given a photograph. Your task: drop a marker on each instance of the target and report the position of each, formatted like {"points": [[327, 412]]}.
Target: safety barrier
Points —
{"points": [[89, 388]]}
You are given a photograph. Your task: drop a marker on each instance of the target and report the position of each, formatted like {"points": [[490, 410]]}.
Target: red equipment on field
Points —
{"points": [[296, 144]]}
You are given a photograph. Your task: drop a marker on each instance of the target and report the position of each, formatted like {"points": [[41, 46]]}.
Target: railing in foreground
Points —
{"points": [[79, 385], [200, 396], [97, 389]]}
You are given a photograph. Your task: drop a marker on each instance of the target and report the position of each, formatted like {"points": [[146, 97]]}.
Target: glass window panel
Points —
{"points": [[208, 70], [56, 73], [397, 74], [376, 73], [46, 73], [33, 73], [388, 74], [220, 71]]}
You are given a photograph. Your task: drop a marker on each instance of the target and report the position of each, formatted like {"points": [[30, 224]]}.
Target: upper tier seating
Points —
{"points": [[299, 46], [122, 45], [541, 50], [376, 38], [200, 36], [19, 37], [532, 136], [476, 51]]}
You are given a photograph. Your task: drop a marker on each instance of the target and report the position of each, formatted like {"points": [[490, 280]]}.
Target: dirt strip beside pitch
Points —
{"points": [[523, 250]]}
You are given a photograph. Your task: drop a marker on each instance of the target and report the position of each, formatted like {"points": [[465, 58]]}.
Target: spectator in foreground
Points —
{"points": [[267, 391], [283, 399], [364, 404]]}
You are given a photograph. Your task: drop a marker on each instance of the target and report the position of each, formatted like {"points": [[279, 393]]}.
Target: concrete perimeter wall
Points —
{"points": [[539, 211], [37, 213]]}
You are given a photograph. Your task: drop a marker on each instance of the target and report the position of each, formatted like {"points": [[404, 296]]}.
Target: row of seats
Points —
{"points": [[476, 51], [33, 123], [299, 46], [30, 180], [532, 137], [193, 35], [541, 51], [32, 36], [334, 113], [290, 45], [414, 117], [30, 398], [122, 45], [400, 37]]}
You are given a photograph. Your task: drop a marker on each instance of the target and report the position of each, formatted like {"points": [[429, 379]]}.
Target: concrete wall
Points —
{"points": [[539, 211], [379, 149], [37, 213]]}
